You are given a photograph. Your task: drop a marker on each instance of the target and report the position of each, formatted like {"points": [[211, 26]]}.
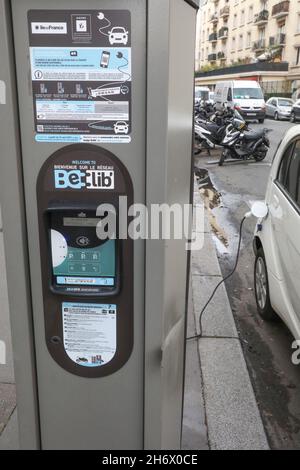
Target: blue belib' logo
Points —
{"points": [[73, 179]]}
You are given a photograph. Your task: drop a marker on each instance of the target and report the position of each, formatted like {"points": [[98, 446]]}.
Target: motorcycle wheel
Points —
{"points": [[260, 155], [197, 147]]}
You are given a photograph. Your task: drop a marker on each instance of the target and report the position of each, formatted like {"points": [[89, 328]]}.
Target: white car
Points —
{"points": [[277, 239], [121, 127], [118, 35]]}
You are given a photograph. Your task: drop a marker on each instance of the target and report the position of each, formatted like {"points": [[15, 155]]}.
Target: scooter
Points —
{"points": [[209, 135], [204, 111], [241, 143]]}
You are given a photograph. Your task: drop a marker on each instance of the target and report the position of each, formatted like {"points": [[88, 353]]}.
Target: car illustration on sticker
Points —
{"points": [[118, 35], [121, 127]]}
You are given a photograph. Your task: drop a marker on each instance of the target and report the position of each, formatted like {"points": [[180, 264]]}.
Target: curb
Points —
{"points": [[233, 418]]}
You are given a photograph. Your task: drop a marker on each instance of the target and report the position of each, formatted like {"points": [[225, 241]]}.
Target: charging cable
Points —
{"points": [[200, 335], [101, 17]]}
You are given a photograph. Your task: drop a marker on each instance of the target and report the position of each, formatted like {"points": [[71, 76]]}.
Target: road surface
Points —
{"points": [[267, 347]]}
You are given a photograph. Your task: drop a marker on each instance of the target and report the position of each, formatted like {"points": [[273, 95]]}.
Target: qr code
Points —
{"points": [[40, 128], [81, 26]]}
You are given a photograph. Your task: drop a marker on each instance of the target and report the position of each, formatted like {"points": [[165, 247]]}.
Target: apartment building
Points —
{"points": [[240, 31]]}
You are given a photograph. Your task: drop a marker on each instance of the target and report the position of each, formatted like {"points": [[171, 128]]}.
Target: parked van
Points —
{"points": [[201, 94], [245, 96]]}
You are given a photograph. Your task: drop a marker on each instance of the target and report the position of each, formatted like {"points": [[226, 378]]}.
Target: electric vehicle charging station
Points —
{"points": [[98, 105]]}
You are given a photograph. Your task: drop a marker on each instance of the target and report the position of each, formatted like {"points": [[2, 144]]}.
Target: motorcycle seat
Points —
{"points": [[254, 135], [212, 127]]}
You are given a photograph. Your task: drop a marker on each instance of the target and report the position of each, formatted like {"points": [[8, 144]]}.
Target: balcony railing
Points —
{"points": [[214, 18], [281, 9], [259, 45], [225, 11], [223, 33], [212, 57], [221, 55], [213, 37], [262, 17], [279, 40]]}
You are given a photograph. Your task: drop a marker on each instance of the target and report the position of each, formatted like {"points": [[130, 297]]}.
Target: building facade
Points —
{"points": [[238, 32]]}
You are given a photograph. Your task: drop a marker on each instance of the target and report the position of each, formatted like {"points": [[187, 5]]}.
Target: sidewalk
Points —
{"points": [[220, 410]]}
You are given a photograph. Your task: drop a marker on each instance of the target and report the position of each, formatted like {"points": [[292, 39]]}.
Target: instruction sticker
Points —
{"points": [[90, 333], [81, 75]]}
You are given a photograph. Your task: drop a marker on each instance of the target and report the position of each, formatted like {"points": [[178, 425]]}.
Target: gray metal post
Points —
{"points": [[171, 31], [15, 240]]}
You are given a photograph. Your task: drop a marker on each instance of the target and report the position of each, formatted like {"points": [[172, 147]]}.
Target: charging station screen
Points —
{"points": [[73, 222], [78, 256]]}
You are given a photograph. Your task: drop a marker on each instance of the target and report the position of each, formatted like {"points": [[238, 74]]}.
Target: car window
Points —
{"points": [[285, 103], [248, 93], [293, 175], [289, 173], [284, 165], [229, 96]]}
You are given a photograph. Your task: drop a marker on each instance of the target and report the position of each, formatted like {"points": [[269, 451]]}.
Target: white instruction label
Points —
{"points": [[90, 333]]}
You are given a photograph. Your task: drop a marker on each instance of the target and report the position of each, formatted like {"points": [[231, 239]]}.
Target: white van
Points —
{"points": [[201, 94], [243, 95]]}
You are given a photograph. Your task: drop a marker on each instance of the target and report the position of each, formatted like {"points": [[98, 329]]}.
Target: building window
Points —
{"points": [[298, 24], [251, 14], [281, 28], [233, 46], [298, 56], [235, 21], [241, 42], [249, 37], [242, 17], [262, 34], [264, 4]]}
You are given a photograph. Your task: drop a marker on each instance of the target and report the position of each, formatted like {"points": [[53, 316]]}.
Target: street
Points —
{"points": [[267, 346]]}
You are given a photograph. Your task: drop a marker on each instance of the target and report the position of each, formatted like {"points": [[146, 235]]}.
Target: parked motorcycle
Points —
{"points": [[241, 143], [204, 111], [210, 134]]}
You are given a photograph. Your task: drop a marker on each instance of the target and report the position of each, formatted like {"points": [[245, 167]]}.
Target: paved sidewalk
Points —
{"points": [[224, 392]]}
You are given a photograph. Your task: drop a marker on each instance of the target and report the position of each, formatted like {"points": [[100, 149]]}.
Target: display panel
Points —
{"points": [[77, 222], [79, 258]]}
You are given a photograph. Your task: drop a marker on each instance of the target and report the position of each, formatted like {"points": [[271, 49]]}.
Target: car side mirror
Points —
{"points": [[259, 210]]}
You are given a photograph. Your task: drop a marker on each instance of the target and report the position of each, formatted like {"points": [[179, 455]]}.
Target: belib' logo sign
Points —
{"points": [[90, 179]]}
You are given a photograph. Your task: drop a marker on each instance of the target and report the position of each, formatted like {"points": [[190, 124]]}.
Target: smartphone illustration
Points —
{"points": [[105, 59]]}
